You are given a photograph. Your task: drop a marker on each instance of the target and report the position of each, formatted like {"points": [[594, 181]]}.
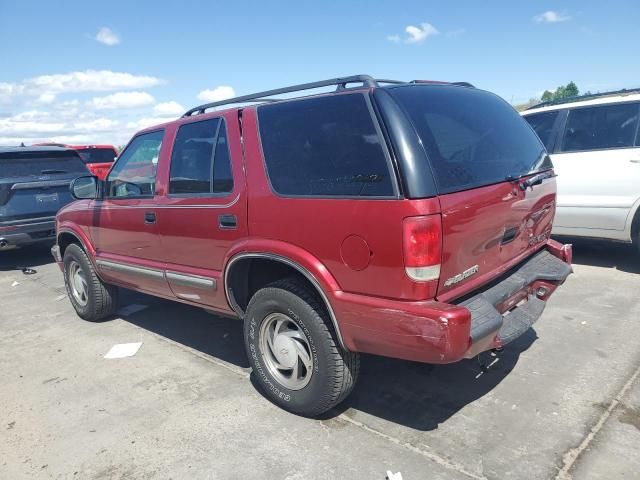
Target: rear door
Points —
{"points": [[204, 211], [34, 185], [481, 151], [598, 166]]}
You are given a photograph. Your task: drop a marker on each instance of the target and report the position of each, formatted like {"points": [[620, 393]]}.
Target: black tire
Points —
{"points": [[334, 371], [101, 298]]}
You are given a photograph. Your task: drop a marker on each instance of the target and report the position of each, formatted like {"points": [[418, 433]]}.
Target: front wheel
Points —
{"points": [[91, 297], [294, 354]]}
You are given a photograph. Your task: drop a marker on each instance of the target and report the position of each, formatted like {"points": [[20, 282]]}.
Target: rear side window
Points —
{"points": [[326, 146], [543, 124], [200, 162], [97, 155], [472, 138], [595, 128], [35, 164]]}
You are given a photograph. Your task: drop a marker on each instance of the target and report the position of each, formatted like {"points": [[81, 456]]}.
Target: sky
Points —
{"points": [[87, 72]]}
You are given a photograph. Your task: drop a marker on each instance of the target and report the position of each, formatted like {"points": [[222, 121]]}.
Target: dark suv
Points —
{"points": [[34, 185], [402, 219]]}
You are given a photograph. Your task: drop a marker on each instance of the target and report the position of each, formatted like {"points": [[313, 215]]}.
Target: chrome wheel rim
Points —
{"points": [[286, 351], [78, 283]]}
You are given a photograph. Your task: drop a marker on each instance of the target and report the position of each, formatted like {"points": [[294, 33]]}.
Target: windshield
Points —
{"points": [[97, 155], [30, 164], [472, 137]]}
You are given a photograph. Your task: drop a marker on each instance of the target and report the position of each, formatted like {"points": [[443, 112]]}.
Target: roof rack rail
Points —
{"points": [[589, 96], [341, 83]]}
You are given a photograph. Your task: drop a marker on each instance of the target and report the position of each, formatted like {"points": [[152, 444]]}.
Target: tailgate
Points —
{"points": [[25, 199], [487, 230]]}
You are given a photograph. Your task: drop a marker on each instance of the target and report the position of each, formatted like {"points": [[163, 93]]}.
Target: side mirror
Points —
{"points": [[83, 188]]}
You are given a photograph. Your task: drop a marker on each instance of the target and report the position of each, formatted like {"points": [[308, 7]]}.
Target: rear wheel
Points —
{"points": [[293, 351], [91, 298]]}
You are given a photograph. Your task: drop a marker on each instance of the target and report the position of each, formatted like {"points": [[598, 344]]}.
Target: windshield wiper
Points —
{"points": [[52, 170]]}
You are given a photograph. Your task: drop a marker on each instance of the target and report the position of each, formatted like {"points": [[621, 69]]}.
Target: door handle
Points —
{"points": [[149, 218], [227, 221]]}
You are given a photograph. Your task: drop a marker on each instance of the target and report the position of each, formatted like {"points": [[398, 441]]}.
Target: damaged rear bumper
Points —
{"points": [[436, 332]]}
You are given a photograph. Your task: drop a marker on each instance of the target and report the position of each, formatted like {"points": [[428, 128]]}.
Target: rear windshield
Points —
{"points": [[472, 137], [27, 164], [97, 155]]}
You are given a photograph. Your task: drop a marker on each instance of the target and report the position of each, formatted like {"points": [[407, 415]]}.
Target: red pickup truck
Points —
{"points": [[405, 219]]}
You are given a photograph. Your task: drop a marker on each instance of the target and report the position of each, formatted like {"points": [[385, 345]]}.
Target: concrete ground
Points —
{"points": [[562, 401]]}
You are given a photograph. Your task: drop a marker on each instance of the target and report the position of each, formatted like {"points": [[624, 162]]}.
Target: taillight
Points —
{"points": [[422, 246]]}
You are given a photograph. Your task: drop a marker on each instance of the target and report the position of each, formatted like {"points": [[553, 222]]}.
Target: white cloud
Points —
{"points": [[96, 125], [46, 87], [421, 33], [219, 93], [551, 16], [107, 36], [88, 81], [394, 38], [146, 122], [122, 100], [9, 90], [168, 109], [47, 98]]}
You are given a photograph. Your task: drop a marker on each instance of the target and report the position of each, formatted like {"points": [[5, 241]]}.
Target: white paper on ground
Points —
{"points": [[122, 350]]}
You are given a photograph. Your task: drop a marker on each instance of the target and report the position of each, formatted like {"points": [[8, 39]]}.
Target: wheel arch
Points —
{"points": [[634, 224], [66, 237], [246, 272]]}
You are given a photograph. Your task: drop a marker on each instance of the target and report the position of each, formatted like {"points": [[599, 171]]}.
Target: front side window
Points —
{"points": [[543, 124], [134, 174], [596, 128], [324, 146]]}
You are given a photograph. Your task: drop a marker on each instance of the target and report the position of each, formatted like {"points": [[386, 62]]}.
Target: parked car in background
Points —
{"points": [[98, 158], [594, 142], [34, 185], [393, 218]]}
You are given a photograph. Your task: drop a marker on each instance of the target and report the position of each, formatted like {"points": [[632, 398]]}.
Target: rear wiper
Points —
{"points": [[52, 170], [536, 179]]}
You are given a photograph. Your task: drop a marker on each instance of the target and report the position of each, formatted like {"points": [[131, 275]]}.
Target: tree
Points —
{"points": [[561, 92], [571, 90], [547, 96]]}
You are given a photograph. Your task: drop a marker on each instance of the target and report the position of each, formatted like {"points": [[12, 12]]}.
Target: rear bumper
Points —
{"points": [[436, 332], [19, 234]]}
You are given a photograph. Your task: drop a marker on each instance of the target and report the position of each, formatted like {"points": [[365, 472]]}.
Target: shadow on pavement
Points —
{"points": [[193, 327], [416, 395], [422, 396], [32, 256], [602, 253]]}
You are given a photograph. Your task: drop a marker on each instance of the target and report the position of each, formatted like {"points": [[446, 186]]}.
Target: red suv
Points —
{"points": [[409, 220]]}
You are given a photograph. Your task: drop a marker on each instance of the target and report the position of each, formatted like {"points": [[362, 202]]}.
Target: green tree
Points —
{"points": [[571, 90], [561, 92], [547, 96]]}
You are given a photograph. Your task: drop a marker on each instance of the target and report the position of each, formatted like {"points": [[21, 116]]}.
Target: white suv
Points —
{"points": [[594, 143]]}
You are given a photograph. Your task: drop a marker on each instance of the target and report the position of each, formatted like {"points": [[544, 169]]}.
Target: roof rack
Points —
{"points": [[340, 83], [589, 96]]}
